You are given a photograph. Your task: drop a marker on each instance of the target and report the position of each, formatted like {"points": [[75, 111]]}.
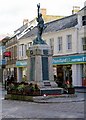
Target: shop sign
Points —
{"points": [[3, 62], [7, 54], [21, 63], [2, 49], [69, 59]]}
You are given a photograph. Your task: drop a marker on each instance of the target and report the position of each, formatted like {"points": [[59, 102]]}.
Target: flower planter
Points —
{"points": [[71, 90], [19, 97], [36, 93], [9, 92], [14, 92]]}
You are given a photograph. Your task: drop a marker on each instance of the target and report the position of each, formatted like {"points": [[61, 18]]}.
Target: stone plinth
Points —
{"points": [[40, 69]]}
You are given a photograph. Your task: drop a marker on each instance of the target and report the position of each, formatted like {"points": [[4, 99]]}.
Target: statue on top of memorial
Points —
{"points": [[41, 26]]}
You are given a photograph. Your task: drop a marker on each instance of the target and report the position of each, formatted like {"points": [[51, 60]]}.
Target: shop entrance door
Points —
{"points": [[60, 75], [64, 73]]}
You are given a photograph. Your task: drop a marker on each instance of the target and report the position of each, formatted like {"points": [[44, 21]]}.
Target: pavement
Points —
{"points": [[49, 107], [60, 98], [53, 108]]}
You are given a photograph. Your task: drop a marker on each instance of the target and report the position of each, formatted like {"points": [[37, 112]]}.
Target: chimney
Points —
{"points": [[43, 11], [25, 21], [75, 9]]}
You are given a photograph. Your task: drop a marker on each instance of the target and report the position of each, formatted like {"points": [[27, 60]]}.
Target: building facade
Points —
{"points": [[67, 39], [17, 51], [3, 61]]}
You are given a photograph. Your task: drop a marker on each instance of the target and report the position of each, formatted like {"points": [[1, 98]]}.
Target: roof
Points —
{"points": [[84, 8], [56, 25], [4, 37], [21, 29]]}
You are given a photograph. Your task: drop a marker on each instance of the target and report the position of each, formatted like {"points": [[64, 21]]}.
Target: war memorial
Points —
{"points": [[40, 70], [40, 74]]}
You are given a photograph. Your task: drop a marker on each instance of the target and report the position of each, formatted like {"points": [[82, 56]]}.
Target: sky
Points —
{"points": [[12, 12]]}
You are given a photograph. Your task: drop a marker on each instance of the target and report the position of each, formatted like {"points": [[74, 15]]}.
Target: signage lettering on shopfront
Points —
{"points": [[60, 60], [21, 63], [69, 59]]}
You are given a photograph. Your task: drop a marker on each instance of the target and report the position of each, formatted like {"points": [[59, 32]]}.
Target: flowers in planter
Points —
{"points": [[11, 87], [68, 87], [23, 89], [68, 84]]}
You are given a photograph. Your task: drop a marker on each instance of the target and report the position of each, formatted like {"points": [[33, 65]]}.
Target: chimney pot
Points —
{"points": [[43, 11], [25, 21]]}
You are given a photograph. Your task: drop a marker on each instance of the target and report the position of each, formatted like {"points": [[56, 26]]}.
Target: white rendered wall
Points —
{"points": [[63, 34], [77, 75], [19, 74]]}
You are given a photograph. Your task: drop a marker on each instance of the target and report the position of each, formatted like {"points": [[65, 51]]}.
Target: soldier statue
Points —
{"points": [[40, 21], [41, 26]]}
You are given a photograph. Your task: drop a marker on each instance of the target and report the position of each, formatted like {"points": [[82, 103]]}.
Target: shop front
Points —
{"points": [[21, 69], [9, 71], [72, 68]]}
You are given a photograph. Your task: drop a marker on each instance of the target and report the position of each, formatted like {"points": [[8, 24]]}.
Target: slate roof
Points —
{"points": [[21, 29], [84, 8], [56, 25]]}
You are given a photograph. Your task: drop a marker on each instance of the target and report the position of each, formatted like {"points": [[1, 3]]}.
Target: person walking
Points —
{"points": [[12, 78]]}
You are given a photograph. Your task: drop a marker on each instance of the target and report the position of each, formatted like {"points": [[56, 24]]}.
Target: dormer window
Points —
{"points": [[83, 20]]}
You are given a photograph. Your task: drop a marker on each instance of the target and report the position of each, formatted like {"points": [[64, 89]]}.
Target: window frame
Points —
{"points": [[83, 43], [60, 48], [84, 20], [69, 42]]}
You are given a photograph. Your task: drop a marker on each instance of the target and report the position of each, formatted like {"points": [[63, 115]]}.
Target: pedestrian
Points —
{"points": [[12, 78], [7, 81]]}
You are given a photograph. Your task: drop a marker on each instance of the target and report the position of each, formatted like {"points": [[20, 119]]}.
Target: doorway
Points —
{"points": [[63, 73]]}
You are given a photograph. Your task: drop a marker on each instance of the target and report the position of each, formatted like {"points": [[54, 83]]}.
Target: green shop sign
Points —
{"points": [[69, 59], [21, 63], [60, 60]]}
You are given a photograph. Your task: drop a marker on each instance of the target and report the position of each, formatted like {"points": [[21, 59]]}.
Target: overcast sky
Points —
{"points": [[12, 12]]}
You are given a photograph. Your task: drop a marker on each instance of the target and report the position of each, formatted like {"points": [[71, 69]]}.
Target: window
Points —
{"points": [[29, 44], [84, 43], [59, 43], [15, 52], [69, 42], [21, 49], [83, 20], [52, 43]]}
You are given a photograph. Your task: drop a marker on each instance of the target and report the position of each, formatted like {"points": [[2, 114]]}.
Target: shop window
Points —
{"points": [[84, 43], [84, 75], [83, 20], [69, 42], [59, 44], [60, 75]]}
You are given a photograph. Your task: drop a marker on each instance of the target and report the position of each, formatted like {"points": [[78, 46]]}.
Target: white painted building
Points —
{"points": [[67, 39]]}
